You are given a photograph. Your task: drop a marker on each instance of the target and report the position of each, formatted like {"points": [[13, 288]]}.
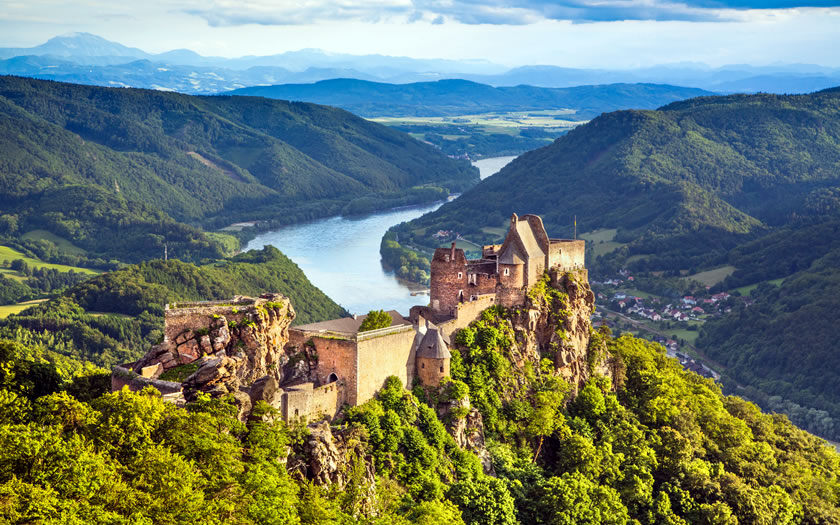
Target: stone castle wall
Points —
{"points": [[335, 356], [567, 254], [308, 401], [511, 296], [381, 355], [465, 313], [361, 362], [448, 278], [431, 371], [182, 317], [484, 284]]}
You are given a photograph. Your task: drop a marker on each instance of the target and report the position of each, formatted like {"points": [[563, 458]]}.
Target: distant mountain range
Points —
{"points": [[89, 59], [463, 97]]}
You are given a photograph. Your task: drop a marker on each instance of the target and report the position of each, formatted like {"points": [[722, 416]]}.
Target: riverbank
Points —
{"points": [[340, 255]]}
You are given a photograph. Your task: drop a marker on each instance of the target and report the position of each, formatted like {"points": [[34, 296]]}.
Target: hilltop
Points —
{"points": [[685, 183], [118, 171], [114, 317]]}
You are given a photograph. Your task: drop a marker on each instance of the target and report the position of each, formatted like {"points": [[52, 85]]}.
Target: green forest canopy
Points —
{"points": [[112, 170], [664, 447]]}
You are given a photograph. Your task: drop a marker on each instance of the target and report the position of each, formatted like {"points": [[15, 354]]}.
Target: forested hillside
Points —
{"points": [[109, 169], [685, 183], [782, 351], [462, 97], [658, 446], [751, 182], [115, 317]]}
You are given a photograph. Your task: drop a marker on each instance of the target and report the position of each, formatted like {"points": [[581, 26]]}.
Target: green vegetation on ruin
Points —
{"points": [[179, 373], [375, 320]]}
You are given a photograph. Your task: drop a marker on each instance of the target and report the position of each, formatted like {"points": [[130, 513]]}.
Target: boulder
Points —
{"points": [[188, 352], [219, 333], [205, 344], [324, 458], [263, 389], [184, 337], [243, 404]]}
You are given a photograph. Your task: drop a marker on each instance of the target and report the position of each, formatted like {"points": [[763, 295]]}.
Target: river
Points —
{"points": [[340, 255]]}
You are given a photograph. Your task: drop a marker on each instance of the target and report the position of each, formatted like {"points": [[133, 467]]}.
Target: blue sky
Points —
{"points": [[575, 33]]}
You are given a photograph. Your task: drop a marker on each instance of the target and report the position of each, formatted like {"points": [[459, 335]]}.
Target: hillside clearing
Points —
{"points": [[712, 277], [63, 244], [9, 309], [10, 254]]}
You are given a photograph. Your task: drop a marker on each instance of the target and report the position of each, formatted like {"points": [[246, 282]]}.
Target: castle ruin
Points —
{"points": [[247, 347]]}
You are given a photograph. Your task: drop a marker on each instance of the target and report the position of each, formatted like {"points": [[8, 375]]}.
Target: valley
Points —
{"points": [[340, 255], [590, 280]]}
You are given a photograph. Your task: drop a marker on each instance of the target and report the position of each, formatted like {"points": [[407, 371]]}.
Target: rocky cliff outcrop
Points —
{"points": [[555, 323], [223, 346], [465, 425], [337, 456]]}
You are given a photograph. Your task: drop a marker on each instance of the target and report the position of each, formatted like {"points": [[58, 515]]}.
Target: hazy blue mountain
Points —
{"points": [[794, 78], [83, 48], [112, 64], [462, 97], [779, 84]]}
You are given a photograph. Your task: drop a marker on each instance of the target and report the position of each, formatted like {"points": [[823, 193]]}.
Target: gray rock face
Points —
{"points": [[468, 431], [325, 459], [263, 389]]}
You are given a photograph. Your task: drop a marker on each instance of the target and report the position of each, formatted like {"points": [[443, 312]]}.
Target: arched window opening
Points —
{"points": [[333, 378]]}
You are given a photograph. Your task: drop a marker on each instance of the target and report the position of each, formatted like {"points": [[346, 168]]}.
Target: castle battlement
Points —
{"points": [[506, 270]]}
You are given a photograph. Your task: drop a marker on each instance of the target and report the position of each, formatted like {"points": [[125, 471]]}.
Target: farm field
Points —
{"points": [[514, 119], [9, 309], [712, 277], [10, 254], [601, 242], [745, 290], [62, 243]]}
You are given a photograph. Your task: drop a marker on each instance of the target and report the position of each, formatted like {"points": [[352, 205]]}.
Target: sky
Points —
{"points": [[573, 33]]}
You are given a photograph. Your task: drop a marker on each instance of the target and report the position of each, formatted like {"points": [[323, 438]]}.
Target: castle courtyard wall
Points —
{"points": [[192, 316], [312, 402], [335, 356], [383, 353]]}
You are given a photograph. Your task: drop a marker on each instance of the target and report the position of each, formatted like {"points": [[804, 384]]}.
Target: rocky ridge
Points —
{"points": [[228, 346]]}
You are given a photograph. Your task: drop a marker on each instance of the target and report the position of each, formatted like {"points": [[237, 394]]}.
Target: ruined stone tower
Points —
{"points": [[433, 358]]}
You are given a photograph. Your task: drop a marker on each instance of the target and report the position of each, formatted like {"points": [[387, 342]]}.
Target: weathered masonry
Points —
{"points": [[461, 288]]}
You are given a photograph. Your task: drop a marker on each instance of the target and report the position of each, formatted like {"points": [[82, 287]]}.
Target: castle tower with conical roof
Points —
{"points": [[432, 357]]}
